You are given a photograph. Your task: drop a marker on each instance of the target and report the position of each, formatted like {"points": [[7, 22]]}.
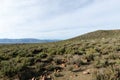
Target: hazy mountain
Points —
{"points": [[26, 40]]}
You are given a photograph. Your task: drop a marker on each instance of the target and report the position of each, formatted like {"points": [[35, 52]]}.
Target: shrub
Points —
{"points": [[89, 57], [113, 56], [11, 68], [41, 55], [58, 61], [51, 67], [104, 63], [101, 63], [39, 67], [110, 73], [76, 59]]}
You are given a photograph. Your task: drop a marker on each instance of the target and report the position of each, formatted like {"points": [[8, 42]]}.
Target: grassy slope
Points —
{"points": [[99, 35], [25, 61]]}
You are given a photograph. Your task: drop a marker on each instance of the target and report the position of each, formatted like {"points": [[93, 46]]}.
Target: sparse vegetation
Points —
{"points": [[110, 73], [98, 51]]}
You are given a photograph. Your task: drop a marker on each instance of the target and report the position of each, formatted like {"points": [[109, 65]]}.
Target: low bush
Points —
{"points": [[110, 73]]}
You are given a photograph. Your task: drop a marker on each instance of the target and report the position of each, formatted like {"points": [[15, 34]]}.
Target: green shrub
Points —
{"points": [[41, 55], [101, 63], [11, 68], [110, 73]]}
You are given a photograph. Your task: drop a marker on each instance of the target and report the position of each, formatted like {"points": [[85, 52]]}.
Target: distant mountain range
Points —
{"points": [[26, 40], [100, 34]]}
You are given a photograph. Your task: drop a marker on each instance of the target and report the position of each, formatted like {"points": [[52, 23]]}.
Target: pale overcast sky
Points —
{"points": [[56, 19]]}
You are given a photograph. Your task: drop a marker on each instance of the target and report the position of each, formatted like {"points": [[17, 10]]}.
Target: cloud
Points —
{"points": [[56, 18]]}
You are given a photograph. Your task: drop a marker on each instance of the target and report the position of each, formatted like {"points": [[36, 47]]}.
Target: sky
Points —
{"points": [[56, 19]]}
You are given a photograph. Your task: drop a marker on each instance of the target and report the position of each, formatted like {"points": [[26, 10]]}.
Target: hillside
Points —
{"points": [[87, 57], [100, 34]]}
